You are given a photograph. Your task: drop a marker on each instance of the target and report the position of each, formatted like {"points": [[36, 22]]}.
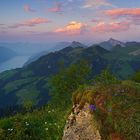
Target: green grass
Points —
{"points": [[28, 94], [44, 124], [7, 74], [122, 69], [118, 113], [40, 125], [117, 108], [15, 85]]}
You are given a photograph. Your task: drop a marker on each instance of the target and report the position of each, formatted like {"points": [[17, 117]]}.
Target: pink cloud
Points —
{"points": [[56, 8], [28, 9], [131, 14], [73, 28], [96, 3], [94, 20], [111, 27], [31, 22], [123, 12]]}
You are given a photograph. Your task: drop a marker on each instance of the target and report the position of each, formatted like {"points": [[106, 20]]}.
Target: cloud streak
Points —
{"points": [[30, 23], [28, 9], [96, 3], [94, 20], [103, 27], [131, 14], [57, 8]]}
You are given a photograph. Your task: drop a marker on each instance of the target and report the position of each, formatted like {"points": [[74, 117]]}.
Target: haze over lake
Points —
{"points": [[16, 62]]}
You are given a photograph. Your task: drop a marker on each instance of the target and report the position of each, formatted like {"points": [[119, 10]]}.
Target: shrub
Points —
{"points": [[69, 79], [83, 95], [136, 77], [118, 108], [105, 78]]}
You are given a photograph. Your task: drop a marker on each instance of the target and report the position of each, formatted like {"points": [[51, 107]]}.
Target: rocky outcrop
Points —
{"points": [[81, 125]]}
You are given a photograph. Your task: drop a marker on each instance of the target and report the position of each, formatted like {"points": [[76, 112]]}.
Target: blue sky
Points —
{"points": [[67, 20]]}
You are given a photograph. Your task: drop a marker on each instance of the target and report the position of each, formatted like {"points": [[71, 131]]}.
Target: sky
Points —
{"points": [[67, 20]]}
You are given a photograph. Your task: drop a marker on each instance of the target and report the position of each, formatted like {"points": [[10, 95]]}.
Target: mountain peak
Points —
{"points": [[112, 39], [77, 44], [111, 43], [115, 42]]}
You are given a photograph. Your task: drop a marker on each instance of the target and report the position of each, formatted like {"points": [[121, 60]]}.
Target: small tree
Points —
{"points": [[68, 79], [106, 78], [136, 77], [28, 105]]}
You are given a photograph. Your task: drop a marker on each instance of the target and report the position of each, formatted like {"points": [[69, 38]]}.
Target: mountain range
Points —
{"points": [[111, 43], [30, 82]]}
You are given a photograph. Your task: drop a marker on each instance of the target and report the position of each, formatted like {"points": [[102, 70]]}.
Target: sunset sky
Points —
{"points": [[67, 20]]}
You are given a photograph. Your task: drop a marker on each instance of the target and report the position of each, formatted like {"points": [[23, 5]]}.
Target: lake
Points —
{"points": [[16, 62]]}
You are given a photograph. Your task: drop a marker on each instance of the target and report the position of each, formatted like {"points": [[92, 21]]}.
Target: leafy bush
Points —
{"points": [[84, 94], [118, 108], [136, 77], [69, 79], [106, 78]]}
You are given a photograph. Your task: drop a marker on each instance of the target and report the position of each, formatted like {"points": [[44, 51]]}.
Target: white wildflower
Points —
{"points": [[26, 123], [10, 129]]}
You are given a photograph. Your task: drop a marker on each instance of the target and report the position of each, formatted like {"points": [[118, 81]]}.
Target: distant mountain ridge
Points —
{"points": [[111, 43], [35, 57], [6, 53], [114, 42], [77, 44], [58, 46]]}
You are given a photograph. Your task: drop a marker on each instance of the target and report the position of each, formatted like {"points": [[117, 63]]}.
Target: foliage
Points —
{"points": [[47, 123], [105, 78], [15, 85], [44, 124], [69, 79], [116, 105], [118, 108], [136, 77], [7, 74], [82, 95]]}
